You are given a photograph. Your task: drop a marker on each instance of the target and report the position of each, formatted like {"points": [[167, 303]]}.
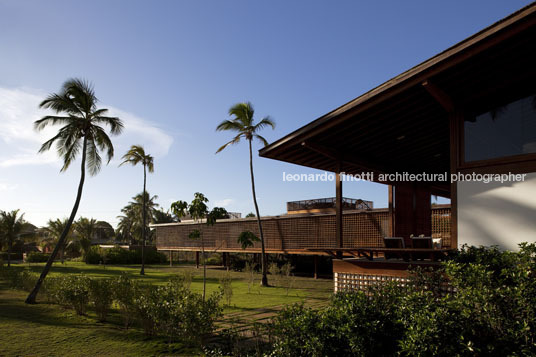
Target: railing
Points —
{"points": [[294, 233], [322, 203]]}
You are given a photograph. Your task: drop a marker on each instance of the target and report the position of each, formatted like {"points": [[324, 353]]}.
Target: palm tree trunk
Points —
{"points": [[144, 231], [33, 295], [264, 280]]}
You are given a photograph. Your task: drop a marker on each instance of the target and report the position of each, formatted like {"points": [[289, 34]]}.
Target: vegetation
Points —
{"points": [[130, 227], [54, 231], [489, 310], [136, 155], [11, 226], [86, 229], [198, 210], [82, 131], [117, 255], [243, 124]]}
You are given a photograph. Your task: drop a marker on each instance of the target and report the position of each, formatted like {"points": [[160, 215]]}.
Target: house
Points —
{"points": [[461, 125]]}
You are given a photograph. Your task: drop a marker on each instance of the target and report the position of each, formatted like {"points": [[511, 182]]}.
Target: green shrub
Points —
{"points": [[73, 291], [100, 295], [124, 292], [354, 324], [37, 257], [489, 309], [176, 312], [117, 255], [226, 287]]}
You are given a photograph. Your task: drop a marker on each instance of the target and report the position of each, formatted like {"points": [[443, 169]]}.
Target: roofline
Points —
{"points": [[411, 76]]}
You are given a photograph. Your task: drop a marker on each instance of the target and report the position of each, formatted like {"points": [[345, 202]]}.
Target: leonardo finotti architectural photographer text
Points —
{"points": [[405, 177]]}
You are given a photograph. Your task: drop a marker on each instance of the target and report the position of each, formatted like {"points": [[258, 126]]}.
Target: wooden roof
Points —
{"points": [[400, 125]]}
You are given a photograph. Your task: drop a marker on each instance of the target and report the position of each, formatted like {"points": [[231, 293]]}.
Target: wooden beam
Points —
{"points": [[345, 159], [391, 212], [440, 96]]}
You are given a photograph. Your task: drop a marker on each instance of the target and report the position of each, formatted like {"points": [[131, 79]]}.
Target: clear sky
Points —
{"points": [[171, 70]]}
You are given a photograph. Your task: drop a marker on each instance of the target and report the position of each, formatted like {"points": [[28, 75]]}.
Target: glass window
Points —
{"points": [[504, 131]]}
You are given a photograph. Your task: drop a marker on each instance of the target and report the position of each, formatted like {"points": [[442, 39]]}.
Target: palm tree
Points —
{"points": [[242, 123], [12, 224], [134, 156], [86, 229], [54, 231], [82, 131]]}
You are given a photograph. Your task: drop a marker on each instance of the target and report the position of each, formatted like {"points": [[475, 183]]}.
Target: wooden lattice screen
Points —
{"points": [[294, 233]]}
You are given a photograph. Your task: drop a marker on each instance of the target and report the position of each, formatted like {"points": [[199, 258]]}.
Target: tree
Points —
{"points": [[136, 155], [86, 229], [54, 230], [243, 124], [246, 239], [161, 216], [11, 225], [198, 210], [83, 132], [250, 215], [130, 225]]}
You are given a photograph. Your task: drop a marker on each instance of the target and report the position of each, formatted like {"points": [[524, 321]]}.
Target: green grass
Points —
{"points": [[51, 330]]}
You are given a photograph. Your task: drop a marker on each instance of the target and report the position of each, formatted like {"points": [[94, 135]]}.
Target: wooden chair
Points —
{"points": [[393, 242], [421, 243]]}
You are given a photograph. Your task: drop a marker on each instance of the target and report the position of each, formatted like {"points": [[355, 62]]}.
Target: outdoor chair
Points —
{"points": [[393, 242], [421, 243]]}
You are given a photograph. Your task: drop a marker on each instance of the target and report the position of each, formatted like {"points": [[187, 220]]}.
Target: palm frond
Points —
{"points": [[94, 160], [261, 139], [231, 125], [265, 122], [51, 120], [103, 142], [115, 124], [243, 112], [235, 140]]}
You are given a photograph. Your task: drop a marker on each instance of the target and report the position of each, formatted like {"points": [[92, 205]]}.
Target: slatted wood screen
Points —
{"points": [[294, 233]]}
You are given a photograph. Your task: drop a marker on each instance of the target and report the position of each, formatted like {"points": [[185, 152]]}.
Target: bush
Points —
{"points": [[354, 324], [100, 295], [14, 256], [490, 310], [176, 312], [226, 287], [125, 291], [73, 291], [117, 255], [37, 257]]}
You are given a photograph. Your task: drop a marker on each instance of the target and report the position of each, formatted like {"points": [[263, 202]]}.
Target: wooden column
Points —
{"points": [[170, 258], [197, 259], [455, 123], [316, 266], [338, 209], [391, 212]]}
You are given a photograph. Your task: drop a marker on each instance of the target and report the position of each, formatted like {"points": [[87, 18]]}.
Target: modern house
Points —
{"points": [[468, 111], [460, 125]]}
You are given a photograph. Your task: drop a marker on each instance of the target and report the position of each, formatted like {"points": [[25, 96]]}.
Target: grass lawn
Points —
{"points": [[45, 329]]}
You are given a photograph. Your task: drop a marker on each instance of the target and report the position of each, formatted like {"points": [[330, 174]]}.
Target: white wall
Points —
{"points": [[497, 214]]}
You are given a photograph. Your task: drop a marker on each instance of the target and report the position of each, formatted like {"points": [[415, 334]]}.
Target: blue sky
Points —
{"points": [[171, 70]]}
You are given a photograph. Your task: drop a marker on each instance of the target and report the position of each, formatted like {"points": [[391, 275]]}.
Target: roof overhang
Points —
{"points": [[403, 124]]}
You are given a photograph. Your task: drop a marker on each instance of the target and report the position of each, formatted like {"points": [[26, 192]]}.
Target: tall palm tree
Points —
{"points": [[131, 222], [76, 109], [12, 225], [243, 125], [86, 229], [54, 230], [136, 155]]}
